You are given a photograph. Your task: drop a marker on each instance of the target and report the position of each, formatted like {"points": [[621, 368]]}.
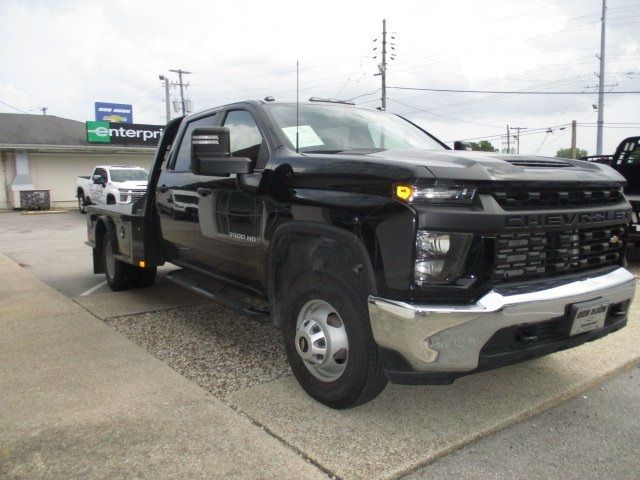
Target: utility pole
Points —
{"points": [[518, 138], [167, 98], [382, 66], [601, 86], [44, 110], [508, 140], [574, 127], [383, 72], [181, 72]]}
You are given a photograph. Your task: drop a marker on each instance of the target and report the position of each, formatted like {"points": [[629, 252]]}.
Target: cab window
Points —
{"points": [[182, 160], [245, 137]]}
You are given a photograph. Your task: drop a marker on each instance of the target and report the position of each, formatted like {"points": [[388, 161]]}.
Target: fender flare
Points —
{"points": [[316, 230]]}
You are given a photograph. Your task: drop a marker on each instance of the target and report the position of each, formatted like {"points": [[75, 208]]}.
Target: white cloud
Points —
{"points": [[67, 55]]}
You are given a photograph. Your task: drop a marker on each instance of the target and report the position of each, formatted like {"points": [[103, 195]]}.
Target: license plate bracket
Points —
{"points": [[588, 316]]}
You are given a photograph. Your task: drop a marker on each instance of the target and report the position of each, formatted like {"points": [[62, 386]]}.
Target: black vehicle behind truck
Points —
{"points": [[381, 254], [626, 161]]}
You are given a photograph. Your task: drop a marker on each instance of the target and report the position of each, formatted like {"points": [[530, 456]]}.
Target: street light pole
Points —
{"points": [[167, 98]]}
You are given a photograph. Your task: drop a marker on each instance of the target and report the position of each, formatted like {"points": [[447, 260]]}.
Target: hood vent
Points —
{"points": [[523, 162]]}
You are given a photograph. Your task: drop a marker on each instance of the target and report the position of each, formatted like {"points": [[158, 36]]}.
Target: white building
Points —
{"points": [[45, 152]]}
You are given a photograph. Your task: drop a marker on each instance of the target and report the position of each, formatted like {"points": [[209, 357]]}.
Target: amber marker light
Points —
{"points": [[142, 264], [404, 192]]}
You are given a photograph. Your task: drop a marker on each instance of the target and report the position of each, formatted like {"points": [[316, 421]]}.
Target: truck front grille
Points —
{"points": [[539, 198], [529, 255]]}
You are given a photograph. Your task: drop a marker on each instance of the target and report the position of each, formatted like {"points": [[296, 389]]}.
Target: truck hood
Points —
{"points": [[458, 166], [484, 166]]}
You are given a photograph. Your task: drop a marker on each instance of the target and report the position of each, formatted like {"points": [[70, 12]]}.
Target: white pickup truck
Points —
{"points": [[111, 184]]}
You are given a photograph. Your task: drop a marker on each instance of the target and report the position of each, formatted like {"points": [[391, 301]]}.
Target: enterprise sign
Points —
{"points": [[123, 133]]}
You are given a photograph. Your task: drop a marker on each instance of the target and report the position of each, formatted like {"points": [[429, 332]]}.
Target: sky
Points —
{"points": [[66, 55]]}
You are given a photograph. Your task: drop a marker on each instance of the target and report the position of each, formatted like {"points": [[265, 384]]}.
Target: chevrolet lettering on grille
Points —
{"points": [[565, 219]]}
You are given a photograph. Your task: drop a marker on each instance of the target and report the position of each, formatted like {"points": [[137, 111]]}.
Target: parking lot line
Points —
{"points": [[94, 288]]}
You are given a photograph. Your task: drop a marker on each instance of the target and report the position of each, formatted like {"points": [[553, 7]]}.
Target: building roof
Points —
{"points": [[51, 133], [20, 128]]}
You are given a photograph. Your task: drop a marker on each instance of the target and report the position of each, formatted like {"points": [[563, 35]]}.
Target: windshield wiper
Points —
{"points": [[360, 151], [322, 151]]}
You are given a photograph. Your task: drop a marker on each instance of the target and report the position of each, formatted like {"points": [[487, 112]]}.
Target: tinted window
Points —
{"points": [[126, 175], [244, 134], [182, 163], [630, 153]]}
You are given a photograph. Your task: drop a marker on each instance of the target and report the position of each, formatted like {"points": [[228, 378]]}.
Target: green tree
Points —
{"points": [[566, 153], [483, 146]]}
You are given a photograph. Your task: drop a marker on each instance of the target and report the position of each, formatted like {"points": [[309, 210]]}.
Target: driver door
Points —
{"points": [[97, 190], [230, 218]]}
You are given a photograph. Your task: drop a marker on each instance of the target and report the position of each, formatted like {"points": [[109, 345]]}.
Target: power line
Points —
{"points": [[440, 115], [364, 95], [15, 108], [510, 92]]}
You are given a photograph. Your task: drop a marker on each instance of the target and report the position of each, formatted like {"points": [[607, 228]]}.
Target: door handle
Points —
{"points": [[204, 191], [163, 188]]}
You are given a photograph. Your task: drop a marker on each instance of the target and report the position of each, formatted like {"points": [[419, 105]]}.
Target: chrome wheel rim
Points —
{"points": [[321, 340], [110, 260]]}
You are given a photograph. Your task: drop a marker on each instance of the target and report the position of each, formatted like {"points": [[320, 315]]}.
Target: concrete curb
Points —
{"points": [[79, 400], [409, 427]]}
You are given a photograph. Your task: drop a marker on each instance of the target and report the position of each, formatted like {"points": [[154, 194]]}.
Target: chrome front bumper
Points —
{"points": [[449, 338]]}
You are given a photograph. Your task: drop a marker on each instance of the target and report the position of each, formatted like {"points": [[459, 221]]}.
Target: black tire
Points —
{"points": [[119, 274], [144, 277], [363, 377], [82, 202]]}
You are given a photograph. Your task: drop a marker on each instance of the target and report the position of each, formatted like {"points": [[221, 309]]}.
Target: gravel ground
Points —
{"points": [[215, 347], [219, 349]]}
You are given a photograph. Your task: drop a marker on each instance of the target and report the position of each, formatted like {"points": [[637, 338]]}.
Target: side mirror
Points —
{"points": [[97, 179], [211, 153], [461, 145]]}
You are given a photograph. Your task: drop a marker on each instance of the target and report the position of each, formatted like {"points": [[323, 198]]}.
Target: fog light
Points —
{"points": [[434, 243], [427, 270]]}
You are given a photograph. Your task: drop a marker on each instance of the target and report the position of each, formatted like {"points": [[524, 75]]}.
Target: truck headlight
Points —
{"points": [[442, 194], [439, 256]]}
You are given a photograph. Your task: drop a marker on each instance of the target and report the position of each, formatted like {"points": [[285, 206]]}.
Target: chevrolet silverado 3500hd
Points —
{"points": [[381, 253]]}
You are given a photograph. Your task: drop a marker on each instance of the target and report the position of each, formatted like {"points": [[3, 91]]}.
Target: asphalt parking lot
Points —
{"points": [[579, 409]]}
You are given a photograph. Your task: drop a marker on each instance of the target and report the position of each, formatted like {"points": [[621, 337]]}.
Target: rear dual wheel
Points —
{"points": [[121, 275]]}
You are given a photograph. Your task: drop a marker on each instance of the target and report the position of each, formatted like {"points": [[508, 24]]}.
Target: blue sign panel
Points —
{"points": [[114, 112]]}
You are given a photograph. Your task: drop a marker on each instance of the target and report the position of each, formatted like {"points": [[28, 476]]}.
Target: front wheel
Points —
{"points": [[82, 202], [329, 342]]}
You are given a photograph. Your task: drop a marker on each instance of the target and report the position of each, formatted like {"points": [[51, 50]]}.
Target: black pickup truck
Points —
{"points": [[626, 161], [381, 253]]}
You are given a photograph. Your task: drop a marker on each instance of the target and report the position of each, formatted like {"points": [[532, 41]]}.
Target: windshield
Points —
{"points": [[335, 128], [129, 174]]}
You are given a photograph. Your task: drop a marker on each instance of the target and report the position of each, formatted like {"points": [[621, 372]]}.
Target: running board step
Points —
{"points": [[219, 293]]}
